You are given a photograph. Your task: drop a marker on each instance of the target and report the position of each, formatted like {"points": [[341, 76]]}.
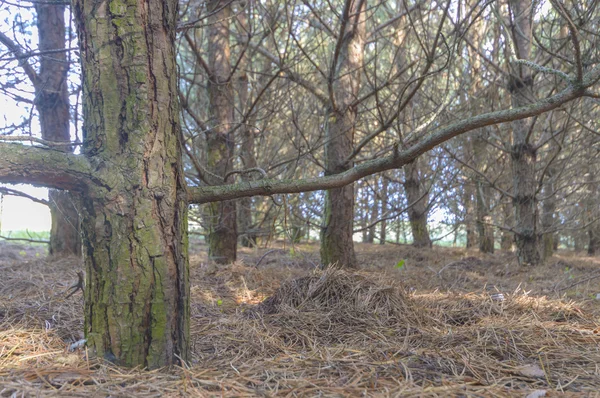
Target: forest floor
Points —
{"points": [[434, 327]]}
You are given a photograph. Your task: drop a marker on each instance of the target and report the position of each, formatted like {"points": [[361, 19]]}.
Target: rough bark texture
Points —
{"points": [[247, 155], [52, 103], [135, 221], [417, 213], [222, 238], [337, 246], [523, 154]]}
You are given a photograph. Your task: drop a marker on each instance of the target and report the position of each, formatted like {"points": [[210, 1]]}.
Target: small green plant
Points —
{"points": [[219, 302], [400, 264], [569, 272], [23, 253]]}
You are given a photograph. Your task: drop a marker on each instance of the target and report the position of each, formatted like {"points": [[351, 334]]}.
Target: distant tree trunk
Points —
{"points": [[52, 102], [222, 238], [337, 246], [134, 220], [593, 209], [548, 211], [374, 214], [417, 213], [507, 238], [469, 205], [384, 205], [485, 229], [523, 154]]}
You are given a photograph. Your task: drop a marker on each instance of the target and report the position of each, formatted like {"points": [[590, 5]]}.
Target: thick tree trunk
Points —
{"points": [[417, 213], [222, 238], [52, 102], [337, 246], [523, 154], [135, 219]]}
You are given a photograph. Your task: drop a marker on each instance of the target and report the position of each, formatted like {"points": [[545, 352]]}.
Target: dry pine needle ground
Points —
{"points": [[428, 329]]}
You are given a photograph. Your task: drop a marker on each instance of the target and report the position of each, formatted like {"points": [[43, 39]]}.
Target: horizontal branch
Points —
{"points": [[41, 166], [397, 159]]}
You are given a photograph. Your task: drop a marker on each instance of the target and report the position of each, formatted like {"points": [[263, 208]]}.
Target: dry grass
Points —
{"points": [[430, 329]]}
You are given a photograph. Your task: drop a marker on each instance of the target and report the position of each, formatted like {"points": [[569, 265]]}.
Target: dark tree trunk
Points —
{"points": [[418, 198], [134, 220], [337, 246], [52, 102], [222, 238]]}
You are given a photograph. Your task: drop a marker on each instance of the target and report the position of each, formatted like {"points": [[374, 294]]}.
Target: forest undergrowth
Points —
{"points": [[411, 322]]}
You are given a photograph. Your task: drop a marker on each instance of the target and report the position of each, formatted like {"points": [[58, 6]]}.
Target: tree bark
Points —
{"points": [[523, 154], [135, 214], [52, 103], [384, 205], [337, 246], [548, 214], [417, 213], [221, 217], [374, 214], [485, 230], [245, 205]]}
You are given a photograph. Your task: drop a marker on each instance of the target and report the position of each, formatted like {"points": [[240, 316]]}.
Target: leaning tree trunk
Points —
{"points": [[52, 103], [417, 212], [134, 219], [337, 246], [222, 238], [523, 154]]}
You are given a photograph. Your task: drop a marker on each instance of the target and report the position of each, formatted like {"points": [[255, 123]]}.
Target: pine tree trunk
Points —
{"points": [[337, 246], [52, 103], [222, 217], [374, 214], [548, 212], [417, 213], [384, 202], [523, 154], [134, 222], [485, 230]]}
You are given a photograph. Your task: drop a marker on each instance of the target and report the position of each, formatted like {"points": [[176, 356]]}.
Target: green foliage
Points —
{"points": [[400, 264]]}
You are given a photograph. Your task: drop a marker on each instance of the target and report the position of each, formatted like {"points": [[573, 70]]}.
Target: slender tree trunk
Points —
{"points": [[469, 205], [222, 238], [374, 214], [384, 202], [523, 154], [52, 102], [485, 229], [593, 209], [135, 219], [417, 213], [337, 246], [507, 239], [548, 214], [245, 205]]}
